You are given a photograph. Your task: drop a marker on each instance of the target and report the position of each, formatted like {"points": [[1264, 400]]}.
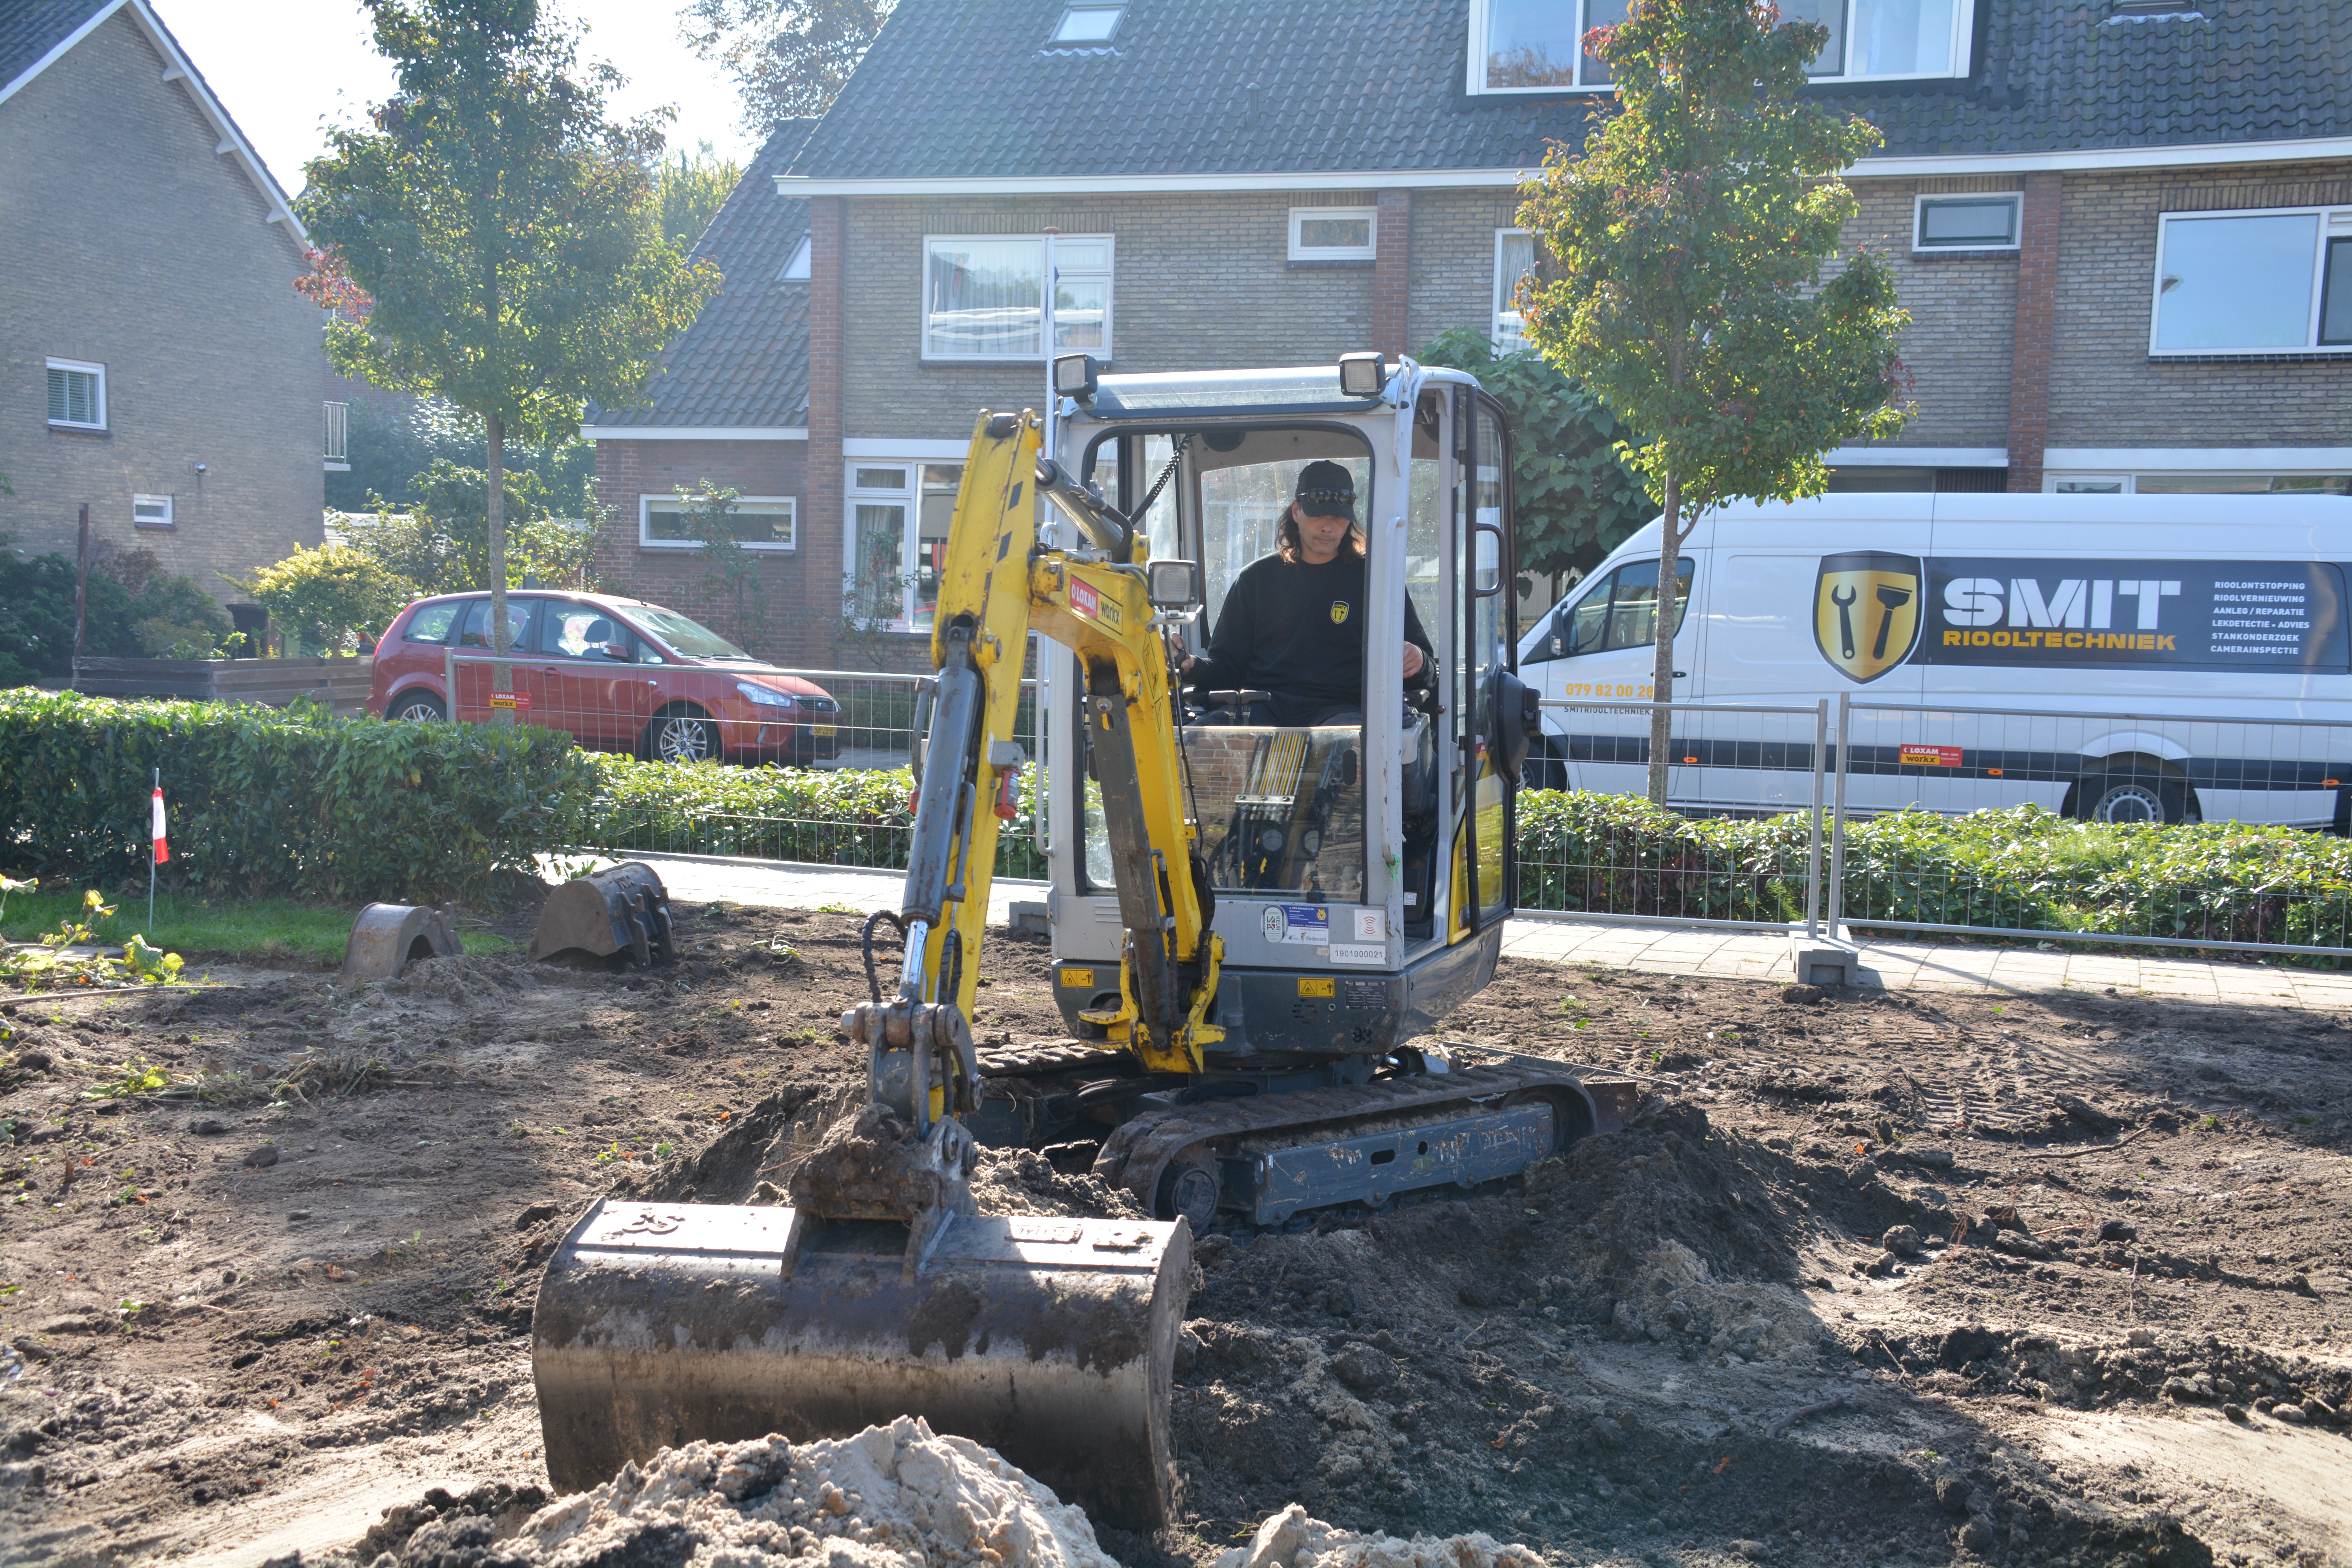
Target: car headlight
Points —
{"points": [[762, 695]]}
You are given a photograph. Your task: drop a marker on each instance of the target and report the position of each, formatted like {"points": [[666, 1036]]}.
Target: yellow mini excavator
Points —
{"points": [[1252, 924]]}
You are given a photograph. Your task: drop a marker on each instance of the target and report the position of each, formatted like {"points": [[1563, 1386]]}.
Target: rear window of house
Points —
{"points": [[431, 623]]}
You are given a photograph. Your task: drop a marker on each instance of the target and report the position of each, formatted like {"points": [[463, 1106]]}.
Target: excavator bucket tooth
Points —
{"points": [[1051, 1341], [621, 909], [388, 938]]}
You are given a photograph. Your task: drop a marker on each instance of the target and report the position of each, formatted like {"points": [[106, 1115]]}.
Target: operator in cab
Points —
{"points": [[1293, 622]]}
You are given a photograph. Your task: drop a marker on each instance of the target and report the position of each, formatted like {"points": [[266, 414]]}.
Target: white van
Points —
{"points": [[2114, 657]]}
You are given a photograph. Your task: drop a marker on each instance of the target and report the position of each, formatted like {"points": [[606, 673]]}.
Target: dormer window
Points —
{"points": [[1537, 46], [1088, 25], [796, 269]]}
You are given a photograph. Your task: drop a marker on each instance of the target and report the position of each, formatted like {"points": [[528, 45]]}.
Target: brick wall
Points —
{"points": [[1453, 258], [2104, 391], [777, 625], [1201, 283], [1392, 275], [130, 243], [1963, 310]]}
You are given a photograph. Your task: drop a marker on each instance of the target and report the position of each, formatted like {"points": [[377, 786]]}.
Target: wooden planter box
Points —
{"points": [[340, 684]]}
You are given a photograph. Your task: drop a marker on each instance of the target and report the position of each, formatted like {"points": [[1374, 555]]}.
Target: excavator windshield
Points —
{"points": [[1279, 809]]}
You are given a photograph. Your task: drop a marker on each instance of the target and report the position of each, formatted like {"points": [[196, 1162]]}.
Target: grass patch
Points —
{"points": [[257, 931]]}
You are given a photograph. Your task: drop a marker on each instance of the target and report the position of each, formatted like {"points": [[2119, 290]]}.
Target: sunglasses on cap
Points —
{"points": [[1327, 497]]}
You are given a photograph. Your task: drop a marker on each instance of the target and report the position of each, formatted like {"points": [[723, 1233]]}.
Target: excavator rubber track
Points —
{"points": [[1271, 1156]]}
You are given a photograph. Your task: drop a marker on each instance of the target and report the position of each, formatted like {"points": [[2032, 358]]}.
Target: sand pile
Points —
{"points": [[1292, 1540], [1022, 1182], [900, 1495]]}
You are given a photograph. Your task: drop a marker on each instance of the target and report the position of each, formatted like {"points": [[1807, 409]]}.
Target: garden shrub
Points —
{"points": [[291, 801]]}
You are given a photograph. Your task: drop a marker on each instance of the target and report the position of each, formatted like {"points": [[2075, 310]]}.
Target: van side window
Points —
{"points": [[1620, 611]]}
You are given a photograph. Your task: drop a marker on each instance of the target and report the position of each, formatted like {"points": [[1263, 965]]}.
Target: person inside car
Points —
{"points": [[1293, 623]]}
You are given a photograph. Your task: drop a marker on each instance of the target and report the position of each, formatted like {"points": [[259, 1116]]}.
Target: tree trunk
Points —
{"points": [[501, 675], [1661, 674]]}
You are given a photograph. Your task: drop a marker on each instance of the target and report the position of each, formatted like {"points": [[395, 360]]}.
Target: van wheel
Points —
{"points": [[1543, 768], [683, 734], [2134, 798], [416, 708]]}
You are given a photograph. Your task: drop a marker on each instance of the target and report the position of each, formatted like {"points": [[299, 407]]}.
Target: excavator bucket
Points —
{"points": [[621, 909], [1051, 1341], [388, 938]]}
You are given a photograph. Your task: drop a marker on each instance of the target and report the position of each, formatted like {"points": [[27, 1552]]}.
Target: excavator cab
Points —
{"points": [[1361, 875]]}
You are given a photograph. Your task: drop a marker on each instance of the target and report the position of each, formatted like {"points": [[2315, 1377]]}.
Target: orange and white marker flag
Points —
{"points": [[163, 850]]}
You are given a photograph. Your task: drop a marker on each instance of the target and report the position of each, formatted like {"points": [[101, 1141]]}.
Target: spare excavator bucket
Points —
{"points": [[388, 938], [1051, 1341], [621, 909]]}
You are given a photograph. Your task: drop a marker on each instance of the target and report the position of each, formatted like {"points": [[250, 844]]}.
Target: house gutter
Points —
{"points": [[2315, 148]]}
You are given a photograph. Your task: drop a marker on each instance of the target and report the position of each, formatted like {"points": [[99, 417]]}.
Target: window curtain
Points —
{"points": [[986, 297]]}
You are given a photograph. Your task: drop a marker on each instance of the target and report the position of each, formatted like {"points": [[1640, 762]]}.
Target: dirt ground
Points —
{"points": [[1872, 1279]]}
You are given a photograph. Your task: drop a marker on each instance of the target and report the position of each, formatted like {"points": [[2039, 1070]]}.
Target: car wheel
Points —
{"points": [[1543, 768], [683, 736], [416, 708], [2134, 798]]}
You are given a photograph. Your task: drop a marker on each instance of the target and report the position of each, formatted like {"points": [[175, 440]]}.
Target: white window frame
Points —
{"points": [[2334, 222], [646, 540], [1963, 40], [82, 367], [2131, 481], [1920, 204], [1052, 244], [796, 265], [1368, 252], [165, 520], [910, 459], [1504, 316]]}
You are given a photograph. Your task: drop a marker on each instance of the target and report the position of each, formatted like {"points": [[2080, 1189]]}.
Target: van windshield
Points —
{"points": [[688, 639]]}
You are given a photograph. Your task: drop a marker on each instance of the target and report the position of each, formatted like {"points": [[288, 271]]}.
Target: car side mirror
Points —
{"points": [[617, 650]]}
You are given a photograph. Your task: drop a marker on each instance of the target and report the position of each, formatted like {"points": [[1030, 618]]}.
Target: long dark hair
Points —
{"points": [[1286, 533]]}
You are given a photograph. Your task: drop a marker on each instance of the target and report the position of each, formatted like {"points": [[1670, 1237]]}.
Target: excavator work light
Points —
{"points": [[1362, 376], [1074, 375], [1174, 584]]}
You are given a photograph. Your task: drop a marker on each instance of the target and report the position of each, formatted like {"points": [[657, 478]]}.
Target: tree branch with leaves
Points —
{"points": [[1687, 246]]}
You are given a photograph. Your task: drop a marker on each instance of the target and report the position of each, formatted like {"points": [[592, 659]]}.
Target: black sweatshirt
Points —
{"points": [[1297, 631]]}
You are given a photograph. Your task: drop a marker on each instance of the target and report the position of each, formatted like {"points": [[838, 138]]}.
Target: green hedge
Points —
{"points": [[2025, 869], [301, 803], [290, 801], [833, 819]]}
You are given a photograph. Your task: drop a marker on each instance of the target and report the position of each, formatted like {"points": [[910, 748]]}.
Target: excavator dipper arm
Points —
{"points": [[879, 1293]]}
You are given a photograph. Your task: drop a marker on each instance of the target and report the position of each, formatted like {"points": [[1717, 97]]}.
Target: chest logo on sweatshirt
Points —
{"points": [[1338, 612]]}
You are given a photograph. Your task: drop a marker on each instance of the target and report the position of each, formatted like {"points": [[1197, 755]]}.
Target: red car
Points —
{"points": [[620, 674]]}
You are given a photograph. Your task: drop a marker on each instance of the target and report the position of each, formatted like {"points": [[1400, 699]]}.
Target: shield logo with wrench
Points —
{"points": [[1866, 611]]}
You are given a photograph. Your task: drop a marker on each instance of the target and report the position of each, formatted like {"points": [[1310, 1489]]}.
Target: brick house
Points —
{"points": [[2065, 195], [155, 362], [729, 405]]}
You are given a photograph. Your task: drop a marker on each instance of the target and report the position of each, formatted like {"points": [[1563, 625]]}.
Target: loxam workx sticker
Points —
{"points": [[1866, 611], [1873, 610]]}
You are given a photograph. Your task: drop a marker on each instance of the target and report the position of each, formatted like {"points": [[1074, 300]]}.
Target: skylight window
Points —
{"points": [[1088, 24]]}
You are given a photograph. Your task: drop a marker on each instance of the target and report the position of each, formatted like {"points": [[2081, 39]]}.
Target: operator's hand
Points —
{"points": [[1412, 660], [1176, 656]]}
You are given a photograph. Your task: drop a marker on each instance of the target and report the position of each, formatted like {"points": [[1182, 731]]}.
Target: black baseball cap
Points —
{"points": [[1326, 489]]}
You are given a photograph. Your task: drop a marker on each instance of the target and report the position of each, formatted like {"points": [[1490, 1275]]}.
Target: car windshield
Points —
{"points": [[688, 639]]}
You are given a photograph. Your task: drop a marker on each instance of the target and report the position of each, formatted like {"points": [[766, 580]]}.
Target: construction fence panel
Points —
{"points": [[1740, 847], [1913, 853]]}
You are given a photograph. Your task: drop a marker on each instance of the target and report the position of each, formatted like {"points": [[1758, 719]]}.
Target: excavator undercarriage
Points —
{"points": [[1255, 931]]}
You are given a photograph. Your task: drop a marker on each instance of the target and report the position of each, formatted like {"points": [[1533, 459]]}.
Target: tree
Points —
{"points": [[392, 446], [1687, 244], [790, 57], [440, 544], [496, 237], [691, 193], [326, 595], [1573, 498]]}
